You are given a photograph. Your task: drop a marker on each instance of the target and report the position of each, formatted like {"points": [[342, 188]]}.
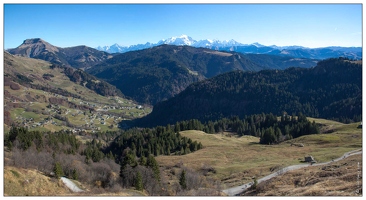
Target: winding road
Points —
{"points": [[239, 189]]}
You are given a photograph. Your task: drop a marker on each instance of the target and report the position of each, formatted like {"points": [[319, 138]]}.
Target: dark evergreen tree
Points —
{"points": [[182, 180], [75, 174], [57, 169], [153, 164], [142, 161], [138, 182]]}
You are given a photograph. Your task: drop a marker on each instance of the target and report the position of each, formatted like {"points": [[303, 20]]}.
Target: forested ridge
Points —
{"points": [[82, 78], [156, 74], [331, 90]]}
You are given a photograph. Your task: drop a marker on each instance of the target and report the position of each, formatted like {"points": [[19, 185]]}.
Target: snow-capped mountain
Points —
{"points": [[255, 48], [113, 48], [182, 40], [179, 41], [116, 48]]}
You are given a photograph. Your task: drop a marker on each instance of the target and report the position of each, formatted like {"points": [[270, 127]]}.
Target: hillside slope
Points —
{"points": [[19, 70], [341, 178], [331, 90], [236, 160], [39, 95], [30, 182]]}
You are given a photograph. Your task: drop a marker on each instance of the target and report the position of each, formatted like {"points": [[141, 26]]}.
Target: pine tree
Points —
{"points": [[57, 169], [138, 182], [129, 159], [182, 180], [151, 162], [75, 175], [142, 161], [200, 146]]}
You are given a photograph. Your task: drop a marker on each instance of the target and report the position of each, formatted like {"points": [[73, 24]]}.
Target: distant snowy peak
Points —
{"points": [[181, 40], [257, 44], [187, 40], [113, 48]]}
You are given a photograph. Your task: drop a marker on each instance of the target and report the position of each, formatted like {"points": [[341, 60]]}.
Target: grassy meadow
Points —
{"points": [[238, 159]]}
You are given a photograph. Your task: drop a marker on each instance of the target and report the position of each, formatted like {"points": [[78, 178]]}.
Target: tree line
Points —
{"points": [[271, 129], [161, 140]]}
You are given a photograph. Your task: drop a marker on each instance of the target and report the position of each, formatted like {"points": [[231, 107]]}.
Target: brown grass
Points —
{"points": [[24, 182], [30, 182], [342, 178], [238, 159]]}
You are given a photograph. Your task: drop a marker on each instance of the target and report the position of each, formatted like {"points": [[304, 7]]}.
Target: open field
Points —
{"points": [[238, 160]]}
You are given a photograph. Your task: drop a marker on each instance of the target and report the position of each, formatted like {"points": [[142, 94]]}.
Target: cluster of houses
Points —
{"points": [[91, 118], [30, 123]]}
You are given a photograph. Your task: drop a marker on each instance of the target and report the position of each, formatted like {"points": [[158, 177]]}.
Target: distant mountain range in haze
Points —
{"points": [[256, 48]]}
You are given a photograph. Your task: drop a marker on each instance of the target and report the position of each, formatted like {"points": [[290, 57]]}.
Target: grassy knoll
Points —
{"points": [[238, 159]]}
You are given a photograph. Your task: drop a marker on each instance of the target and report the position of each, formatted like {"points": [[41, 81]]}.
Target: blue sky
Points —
{"points": [[66, 25]]}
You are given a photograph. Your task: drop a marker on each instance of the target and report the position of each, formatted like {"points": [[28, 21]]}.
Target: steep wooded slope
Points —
{"points": [[332, 89]]}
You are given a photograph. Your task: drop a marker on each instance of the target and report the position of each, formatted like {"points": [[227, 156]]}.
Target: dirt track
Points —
{"points": [[239, 189]]}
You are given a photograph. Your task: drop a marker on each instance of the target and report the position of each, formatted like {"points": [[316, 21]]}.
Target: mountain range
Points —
{"points": [[80, 57], [150, 75], [256, 48], [158, 73]]}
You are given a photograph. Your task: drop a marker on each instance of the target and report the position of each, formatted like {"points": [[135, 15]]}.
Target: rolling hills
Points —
{"points": [[331, 90], [154, 74], [158, 73]]}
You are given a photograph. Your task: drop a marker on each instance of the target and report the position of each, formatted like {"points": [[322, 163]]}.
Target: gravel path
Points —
{"points": [[71, 185], [239, 189]]}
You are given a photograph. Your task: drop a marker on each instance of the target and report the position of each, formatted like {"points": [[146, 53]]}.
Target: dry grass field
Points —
{"points": [[237, 160], [342, 178], [30, 182], [25, 182]]}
